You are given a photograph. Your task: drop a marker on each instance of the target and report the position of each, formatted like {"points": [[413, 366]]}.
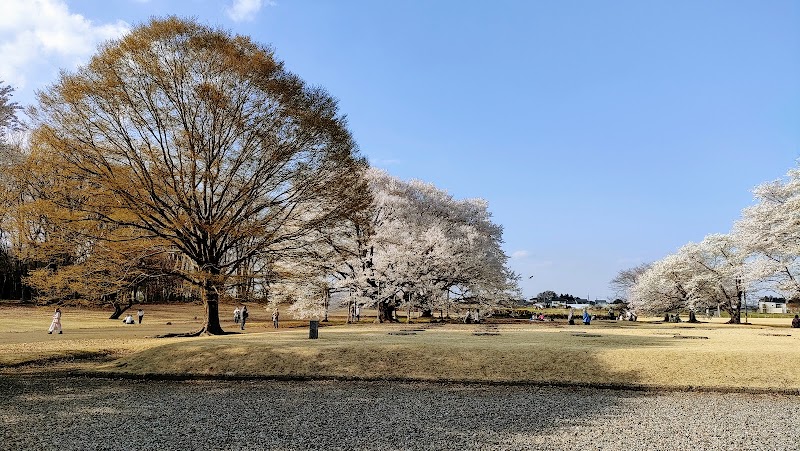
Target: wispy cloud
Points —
{"points": [[35, 34], [518, 255], [246, 10]]}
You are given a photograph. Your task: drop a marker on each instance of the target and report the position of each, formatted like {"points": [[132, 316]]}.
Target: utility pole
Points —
{"points": [[326, 301], [744, 296]]}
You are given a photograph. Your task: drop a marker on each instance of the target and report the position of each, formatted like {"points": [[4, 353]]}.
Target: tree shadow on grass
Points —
{"points": [[71, 413], [87, 413]]}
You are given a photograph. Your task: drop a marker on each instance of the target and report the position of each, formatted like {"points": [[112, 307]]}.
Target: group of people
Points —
{"points": [[129, 318], [540, 317], [55, 324], [472, 317], [587, 318], [240, 315], [627, 315], [676, 318]]}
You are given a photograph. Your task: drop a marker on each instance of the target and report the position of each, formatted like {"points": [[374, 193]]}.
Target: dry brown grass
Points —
{"points": [[762, 356]]}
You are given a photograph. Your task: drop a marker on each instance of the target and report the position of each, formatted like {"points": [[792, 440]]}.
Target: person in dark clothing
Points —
{"points": [[244, 315]]}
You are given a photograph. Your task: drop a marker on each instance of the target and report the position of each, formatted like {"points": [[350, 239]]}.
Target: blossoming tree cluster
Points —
{"points": [[417, 247], [761, 253]]}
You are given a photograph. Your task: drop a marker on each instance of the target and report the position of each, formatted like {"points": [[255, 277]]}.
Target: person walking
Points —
{"points": [[586, 318], [796, 322], [243, 313], [140, 313], [236, 315], [275, 316], [56, 324]]}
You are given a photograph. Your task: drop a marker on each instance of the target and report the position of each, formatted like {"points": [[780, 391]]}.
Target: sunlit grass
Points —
{"points": [[761, 356]]}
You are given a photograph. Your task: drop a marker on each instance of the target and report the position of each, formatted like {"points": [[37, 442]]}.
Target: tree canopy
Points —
{"points": [[424, 249], [200, 141]]}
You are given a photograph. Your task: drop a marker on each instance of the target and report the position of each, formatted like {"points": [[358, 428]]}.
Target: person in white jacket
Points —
{"points": [[56, 324]]}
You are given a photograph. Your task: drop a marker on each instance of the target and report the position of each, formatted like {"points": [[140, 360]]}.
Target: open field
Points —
{"points": [[764, 356]]}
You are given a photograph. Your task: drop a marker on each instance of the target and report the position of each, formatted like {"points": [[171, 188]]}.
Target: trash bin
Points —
{"points": [[313, 330]]}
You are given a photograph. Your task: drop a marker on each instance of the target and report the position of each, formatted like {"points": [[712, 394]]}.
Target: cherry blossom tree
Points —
{"points": [[626, 279], [706, 274], [662, 287], [717, 274], [426, 250], [769, 233]]}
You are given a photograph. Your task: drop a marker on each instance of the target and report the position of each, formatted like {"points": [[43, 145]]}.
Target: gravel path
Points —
{"points": [[96, 414]]}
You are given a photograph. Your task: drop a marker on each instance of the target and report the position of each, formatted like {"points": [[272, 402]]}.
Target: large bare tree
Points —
{"points": [[204, 140], [11, 268]]}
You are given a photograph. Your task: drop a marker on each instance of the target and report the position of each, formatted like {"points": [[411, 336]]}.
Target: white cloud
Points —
{"points": [[39, 37], [245, 10], [517, 255]]}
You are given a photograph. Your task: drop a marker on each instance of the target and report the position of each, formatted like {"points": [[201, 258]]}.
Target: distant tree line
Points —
{"points": [[551, 297]]}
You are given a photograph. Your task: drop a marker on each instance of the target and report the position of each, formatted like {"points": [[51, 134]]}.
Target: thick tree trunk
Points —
{"points": [[119, 309], [735, 311], [211, 326], [351, 312], [385, 312]]}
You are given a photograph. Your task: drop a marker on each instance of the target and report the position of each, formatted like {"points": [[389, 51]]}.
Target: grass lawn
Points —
{"points": [[761, 356]]}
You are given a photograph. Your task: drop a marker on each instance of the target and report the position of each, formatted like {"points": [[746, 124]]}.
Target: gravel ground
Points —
{"points": [[41, 413]]}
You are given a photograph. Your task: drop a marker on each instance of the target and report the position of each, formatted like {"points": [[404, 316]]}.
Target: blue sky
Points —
{"points": [[603, 134]]}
